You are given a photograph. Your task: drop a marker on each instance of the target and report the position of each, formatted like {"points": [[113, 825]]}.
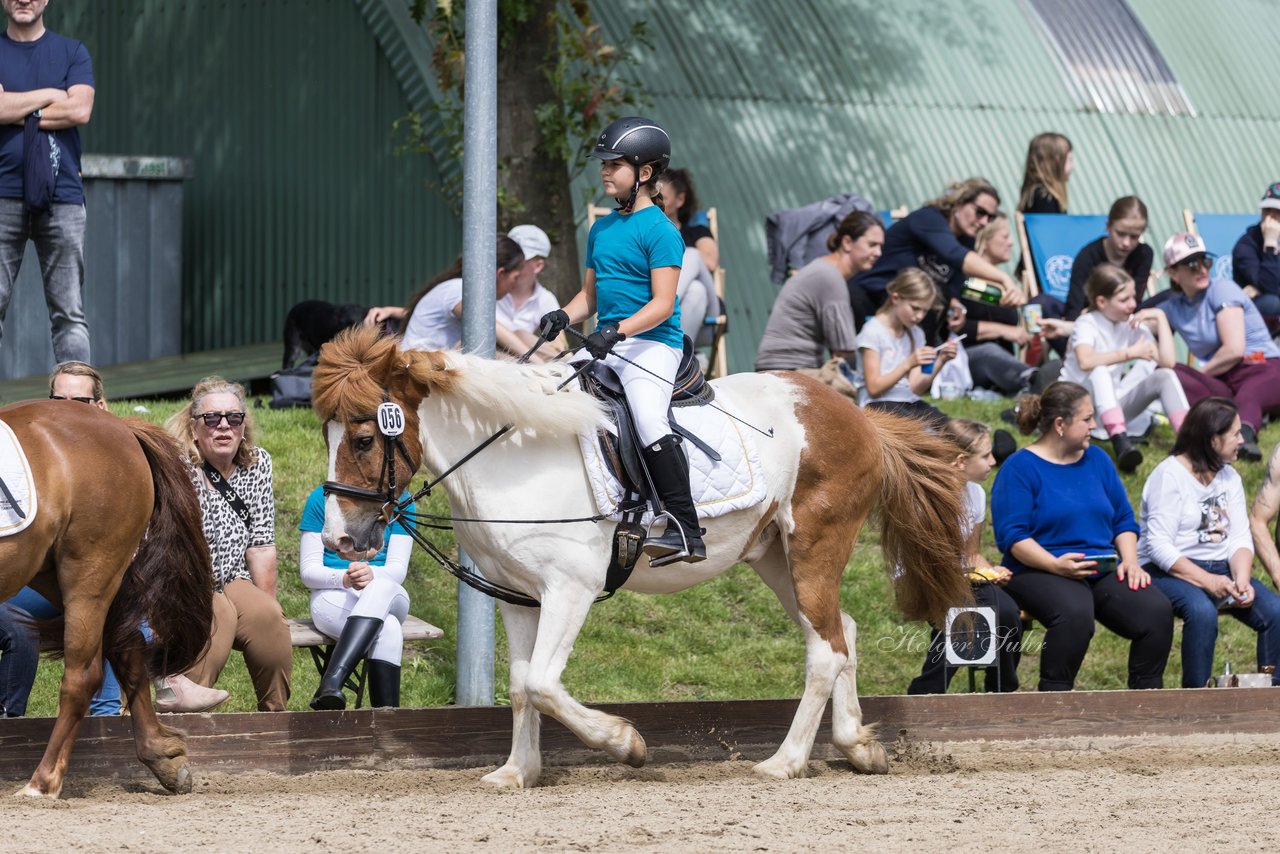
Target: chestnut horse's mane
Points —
{"points": [[359, 364]]}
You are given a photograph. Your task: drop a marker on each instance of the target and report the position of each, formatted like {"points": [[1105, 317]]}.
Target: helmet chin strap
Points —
{"points": [[626, 207]]}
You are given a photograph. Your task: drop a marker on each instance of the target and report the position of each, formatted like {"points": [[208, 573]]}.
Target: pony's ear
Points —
{"points": [[387, 364]]}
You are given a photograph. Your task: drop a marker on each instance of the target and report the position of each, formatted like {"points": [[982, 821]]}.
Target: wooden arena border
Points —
{"points": [[302, 742]]}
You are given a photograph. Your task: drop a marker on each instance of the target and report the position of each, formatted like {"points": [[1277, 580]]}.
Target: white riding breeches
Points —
{"points": [[1119, 403], [382, 599], [648, 383]]}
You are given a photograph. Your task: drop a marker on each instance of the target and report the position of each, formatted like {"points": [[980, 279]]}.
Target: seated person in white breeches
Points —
{"points": [[1125, 357], [361, 603]]}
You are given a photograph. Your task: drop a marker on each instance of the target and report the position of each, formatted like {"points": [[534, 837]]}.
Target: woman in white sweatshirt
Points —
{"points": [[1196, 542]]}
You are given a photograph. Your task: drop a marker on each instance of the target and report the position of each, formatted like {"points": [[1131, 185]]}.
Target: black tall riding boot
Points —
{"points": [[358, 634], [1128, 458], [384, 683], [682, 540]]}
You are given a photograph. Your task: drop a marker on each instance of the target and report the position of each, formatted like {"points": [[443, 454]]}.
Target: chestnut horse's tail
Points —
{"points": [[920, 509], [169, 583]]}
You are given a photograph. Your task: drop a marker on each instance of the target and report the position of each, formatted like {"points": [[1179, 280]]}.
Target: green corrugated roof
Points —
{"points": [[774, 105]]}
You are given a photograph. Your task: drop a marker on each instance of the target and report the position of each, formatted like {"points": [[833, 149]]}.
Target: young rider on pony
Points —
{"points": [[633, 266]]}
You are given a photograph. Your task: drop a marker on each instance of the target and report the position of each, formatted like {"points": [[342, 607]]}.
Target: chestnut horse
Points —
{"points": [[116, 541], [826, 466]]}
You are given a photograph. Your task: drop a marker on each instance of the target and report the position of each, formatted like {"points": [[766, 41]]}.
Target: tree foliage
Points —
{"points": [[580, 78]]}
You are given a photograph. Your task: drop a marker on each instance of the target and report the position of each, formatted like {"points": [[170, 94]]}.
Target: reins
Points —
{"points": [[390, 420]]}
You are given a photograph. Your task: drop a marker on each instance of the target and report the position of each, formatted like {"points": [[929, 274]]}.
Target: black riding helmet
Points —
{"points": [[638, 141]]}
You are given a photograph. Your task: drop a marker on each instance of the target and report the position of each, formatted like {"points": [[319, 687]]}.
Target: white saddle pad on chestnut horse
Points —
{"points": [[734, 482], [18, 496]]}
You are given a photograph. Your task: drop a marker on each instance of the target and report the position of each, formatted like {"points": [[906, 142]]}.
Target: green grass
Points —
{"points": [[724, 639]]}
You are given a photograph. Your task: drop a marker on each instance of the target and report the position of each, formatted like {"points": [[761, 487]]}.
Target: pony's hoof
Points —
{"points": [[633, 752], [778, 768], [509, 777], [869, 757]]}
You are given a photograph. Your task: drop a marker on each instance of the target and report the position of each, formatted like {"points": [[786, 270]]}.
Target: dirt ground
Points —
{"points": [[1096, 795]]}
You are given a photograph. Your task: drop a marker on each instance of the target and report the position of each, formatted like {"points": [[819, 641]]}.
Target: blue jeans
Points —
{"points": [[59, 239], [1267, 303], [14, 697], [1200, 621], [19, 655]]}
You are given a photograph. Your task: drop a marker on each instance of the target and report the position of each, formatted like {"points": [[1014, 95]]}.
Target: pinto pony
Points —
{"points": [[826, 465], [116, 540]]}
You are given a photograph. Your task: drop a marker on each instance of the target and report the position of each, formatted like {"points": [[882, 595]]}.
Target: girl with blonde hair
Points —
{"points": [[895, 366]]}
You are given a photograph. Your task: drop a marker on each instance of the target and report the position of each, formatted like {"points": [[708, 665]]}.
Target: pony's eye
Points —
{"points": [[364, 443]]}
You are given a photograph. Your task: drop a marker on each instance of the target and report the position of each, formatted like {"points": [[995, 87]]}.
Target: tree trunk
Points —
{"points": [[534, 188]]}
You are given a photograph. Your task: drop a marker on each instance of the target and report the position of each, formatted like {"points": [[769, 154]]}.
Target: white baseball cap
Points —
{"points": [[532, 240], [1182, 246]]}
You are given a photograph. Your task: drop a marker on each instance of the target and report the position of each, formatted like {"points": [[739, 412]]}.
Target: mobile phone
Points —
{"points": [[1106, 562]]}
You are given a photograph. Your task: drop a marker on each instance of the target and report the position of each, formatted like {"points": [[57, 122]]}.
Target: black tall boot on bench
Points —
{"points": [[358, 634], [682, 540]]}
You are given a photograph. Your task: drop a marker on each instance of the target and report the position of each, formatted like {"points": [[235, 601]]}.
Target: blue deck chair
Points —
{"points": [[1053, 241], [889, 217], [1219, 233]]}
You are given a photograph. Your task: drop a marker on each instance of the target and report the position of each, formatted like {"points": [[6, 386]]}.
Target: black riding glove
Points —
{"points": [[552, 324], [600, 342]]}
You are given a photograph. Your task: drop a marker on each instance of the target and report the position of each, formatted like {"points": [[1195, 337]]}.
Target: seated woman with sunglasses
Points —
{"points": [[939, 239], [233, 480], [1222, 327]]}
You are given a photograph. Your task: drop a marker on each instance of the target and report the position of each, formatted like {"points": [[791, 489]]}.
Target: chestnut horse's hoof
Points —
{"points": [[181, 782], [30, 791]]}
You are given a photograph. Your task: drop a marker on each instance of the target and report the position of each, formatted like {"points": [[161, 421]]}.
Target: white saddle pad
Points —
{"points": [[16, 472], [736, 482]]}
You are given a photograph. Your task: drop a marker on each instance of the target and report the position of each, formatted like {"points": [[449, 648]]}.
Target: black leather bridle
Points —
{"points": [[390, 420]]}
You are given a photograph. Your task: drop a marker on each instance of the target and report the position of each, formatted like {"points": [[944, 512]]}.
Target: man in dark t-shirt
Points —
{"points": [[46, 94]]}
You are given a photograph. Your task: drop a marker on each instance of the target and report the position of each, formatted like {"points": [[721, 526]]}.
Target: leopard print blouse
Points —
{"points": [[227, 535]]}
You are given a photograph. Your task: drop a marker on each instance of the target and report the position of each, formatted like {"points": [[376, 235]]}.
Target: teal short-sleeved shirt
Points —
{"points": [[313, 522], [623, 249]]}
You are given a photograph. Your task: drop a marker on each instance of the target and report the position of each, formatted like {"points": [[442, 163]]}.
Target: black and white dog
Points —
{"points": [[312, 322]]}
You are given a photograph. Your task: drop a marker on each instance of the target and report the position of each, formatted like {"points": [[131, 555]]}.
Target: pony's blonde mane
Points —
{"points": [[522, 395], [359, 364]]}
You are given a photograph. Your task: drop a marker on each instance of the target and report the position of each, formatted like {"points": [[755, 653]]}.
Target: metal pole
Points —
{"points": [[479, 270]]}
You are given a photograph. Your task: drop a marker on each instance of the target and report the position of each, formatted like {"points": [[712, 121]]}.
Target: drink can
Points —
{"points": [[1031, 314]]}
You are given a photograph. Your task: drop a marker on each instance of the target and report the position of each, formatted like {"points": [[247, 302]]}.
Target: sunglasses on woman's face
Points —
{"points": [[213, 419], [1197, 264], [81, 399]]}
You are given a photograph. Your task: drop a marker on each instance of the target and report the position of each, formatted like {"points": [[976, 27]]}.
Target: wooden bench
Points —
{"points": [[304, 633]]}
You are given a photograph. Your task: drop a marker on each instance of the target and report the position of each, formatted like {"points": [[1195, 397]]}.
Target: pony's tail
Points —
{"points": [[920, 508], [169, 582]]}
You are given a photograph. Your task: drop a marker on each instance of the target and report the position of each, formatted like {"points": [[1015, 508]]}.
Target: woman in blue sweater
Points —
{"points": [[1065, 526]]}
